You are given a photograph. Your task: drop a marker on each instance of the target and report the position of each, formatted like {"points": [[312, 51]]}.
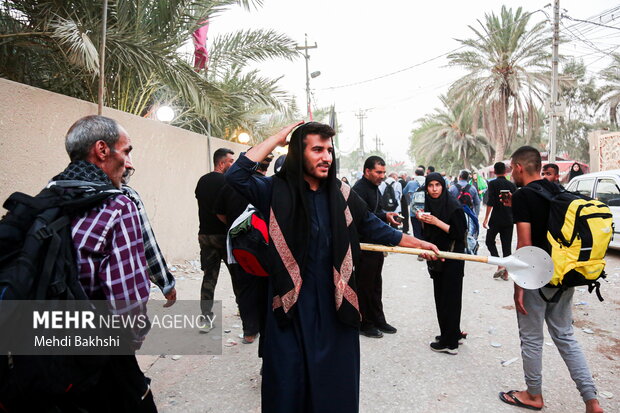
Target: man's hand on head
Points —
{"points": [[285, 131], [260, 151]]}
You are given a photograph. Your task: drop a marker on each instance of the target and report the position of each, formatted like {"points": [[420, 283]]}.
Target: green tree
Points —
{"points": [[611, 89], [450, 132], [508, 74], [582, 97], [54, 45]]}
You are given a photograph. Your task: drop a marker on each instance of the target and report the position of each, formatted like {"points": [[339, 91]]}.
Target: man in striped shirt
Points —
{"points": [[110, 253]]}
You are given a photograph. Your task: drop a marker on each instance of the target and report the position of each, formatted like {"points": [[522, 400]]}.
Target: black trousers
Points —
{"points": [[251, 297], [121, 388], [448, 289], [505, 235], [370, 288], [404, 211], [416, 225]]}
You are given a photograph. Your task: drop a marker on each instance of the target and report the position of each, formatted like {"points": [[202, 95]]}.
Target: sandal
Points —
{"points": [[513, 401], [500, 274]]}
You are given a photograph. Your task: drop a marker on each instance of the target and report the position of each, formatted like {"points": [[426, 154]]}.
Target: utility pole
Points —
{"points": [[554, 107], [104, 29], [361, 115], [305, 48]]}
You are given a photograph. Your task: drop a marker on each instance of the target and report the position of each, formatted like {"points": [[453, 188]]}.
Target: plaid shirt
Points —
{"points": [[156, 264], [110, 255]]}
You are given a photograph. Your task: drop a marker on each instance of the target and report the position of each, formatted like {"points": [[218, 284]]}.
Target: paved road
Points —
{"points": [[399, 372]]}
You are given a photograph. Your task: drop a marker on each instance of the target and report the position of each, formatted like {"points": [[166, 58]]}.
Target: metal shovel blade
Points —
{"points": [[529, 267]]}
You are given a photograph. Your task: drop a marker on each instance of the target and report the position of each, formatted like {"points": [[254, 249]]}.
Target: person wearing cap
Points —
{"points": [[311, 354]]}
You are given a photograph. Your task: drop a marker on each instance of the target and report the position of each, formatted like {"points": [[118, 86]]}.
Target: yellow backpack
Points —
{"points": [[579, 232]]}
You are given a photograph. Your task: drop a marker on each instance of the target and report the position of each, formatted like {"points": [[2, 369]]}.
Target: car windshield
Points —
{"points": [[584, 187], [606, 190]]}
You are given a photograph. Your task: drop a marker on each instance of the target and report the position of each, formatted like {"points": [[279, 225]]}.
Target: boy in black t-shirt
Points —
{"points": [[498, 218], [530, 213]]}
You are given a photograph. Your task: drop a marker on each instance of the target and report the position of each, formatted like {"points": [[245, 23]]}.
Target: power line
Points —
{"points": [[393, 73], [578, 22], [575, 26], [420, 63], [597, 16], [584, 41]]}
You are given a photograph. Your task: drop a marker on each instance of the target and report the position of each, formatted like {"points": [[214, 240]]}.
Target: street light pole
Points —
{"points": [[305, 48]]}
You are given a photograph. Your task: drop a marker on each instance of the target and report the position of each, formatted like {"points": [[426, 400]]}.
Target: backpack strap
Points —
{"points": [[19, 198], [596, 286], [542, 191], [555, 298], [50, 231]]}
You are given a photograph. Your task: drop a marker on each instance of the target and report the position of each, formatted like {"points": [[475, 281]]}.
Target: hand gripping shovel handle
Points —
{"points": [[529, 267], [419, 251]]}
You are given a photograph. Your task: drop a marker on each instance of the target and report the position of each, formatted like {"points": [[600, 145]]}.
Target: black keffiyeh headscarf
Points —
{"points": [[83, 171], [289, 224]]}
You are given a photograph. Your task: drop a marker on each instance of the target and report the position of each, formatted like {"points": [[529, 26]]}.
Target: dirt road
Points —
{"points": [[399, 373]]}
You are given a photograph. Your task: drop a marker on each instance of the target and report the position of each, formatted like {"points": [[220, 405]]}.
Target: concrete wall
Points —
{"points": [[604, 150], [168, 160]]}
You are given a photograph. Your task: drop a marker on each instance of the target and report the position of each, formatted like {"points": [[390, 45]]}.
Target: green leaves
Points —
{"points": [[55, 45], [508, 74], [450, 132], [611, 89]]}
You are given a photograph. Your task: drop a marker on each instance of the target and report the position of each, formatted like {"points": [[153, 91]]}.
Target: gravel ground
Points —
{"points": [[399, 373]]}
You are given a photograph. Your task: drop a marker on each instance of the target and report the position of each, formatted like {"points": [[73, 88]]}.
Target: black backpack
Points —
{"points": [[464, 196], [38, 262], [248, 239], [388, 198]]}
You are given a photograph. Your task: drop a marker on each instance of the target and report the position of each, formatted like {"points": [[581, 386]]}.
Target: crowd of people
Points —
{"points": [[322, 291], [313, 214]]}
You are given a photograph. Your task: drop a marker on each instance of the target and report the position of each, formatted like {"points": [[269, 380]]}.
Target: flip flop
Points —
{"points": [[513, 401]]}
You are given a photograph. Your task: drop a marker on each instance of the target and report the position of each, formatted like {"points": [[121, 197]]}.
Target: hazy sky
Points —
{"points": [[360, 40]]}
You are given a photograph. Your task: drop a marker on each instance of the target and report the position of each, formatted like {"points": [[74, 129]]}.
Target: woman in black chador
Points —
{"points": [[445, 227], [575, 170]]}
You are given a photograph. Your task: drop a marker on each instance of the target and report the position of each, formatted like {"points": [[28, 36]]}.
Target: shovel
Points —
{"points": [[529, 267]]}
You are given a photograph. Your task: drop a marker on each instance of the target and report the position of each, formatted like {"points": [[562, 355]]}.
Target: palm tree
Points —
{"points": [[611, 90], [508, 76], [54, 45], [451, 131]]}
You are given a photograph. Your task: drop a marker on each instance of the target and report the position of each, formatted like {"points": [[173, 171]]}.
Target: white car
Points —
{"points": [[604, 186]]}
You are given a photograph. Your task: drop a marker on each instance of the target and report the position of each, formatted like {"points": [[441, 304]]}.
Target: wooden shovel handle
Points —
{"points": [[419, 251]]}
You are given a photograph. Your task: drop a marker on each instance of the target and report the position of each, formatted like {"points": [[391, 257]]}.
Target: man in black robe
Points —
{"points": [[311, 357]]}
